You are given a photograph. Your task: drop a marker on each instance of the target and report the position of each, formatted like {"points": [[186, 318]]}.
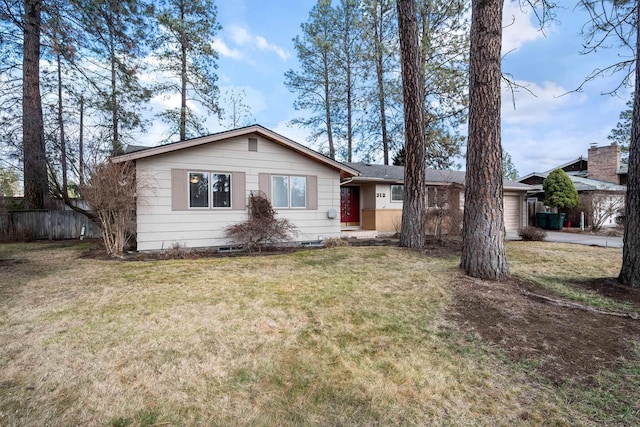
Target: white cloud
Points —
{"points": [[536, 103], [263, 44], [242, 37], [551, 128], [518, 27], [172, 100], [221, 47]]}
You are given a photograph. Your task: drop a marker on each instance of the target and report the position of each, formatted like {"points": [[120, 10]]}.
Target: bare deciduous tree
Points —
{"points": [[444, 217], [601, 206], [110, 191]]}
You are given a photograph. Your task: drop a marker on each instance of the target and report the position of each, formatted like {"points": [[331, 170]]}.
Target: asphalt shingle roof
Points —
{"points": [[396, 173], [584, 184]]}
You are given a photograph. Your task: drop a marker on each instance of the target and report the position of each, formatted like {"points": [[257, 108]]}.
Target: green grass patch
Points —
{"points": [[556, 266], [341, 336]]}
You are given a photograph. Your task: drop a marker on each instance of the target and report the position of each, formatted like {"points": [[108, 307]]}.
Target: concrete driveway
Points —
{"points": [[584, 238]]}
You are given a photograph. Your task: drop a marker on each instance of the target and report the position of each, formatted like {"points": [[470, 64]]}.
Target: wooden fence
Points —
{"points": [[52, 225]]}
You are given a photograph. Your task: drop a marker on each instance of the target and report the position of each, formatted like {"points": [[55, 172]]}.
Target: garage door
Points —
{"points": [[512, 213]]}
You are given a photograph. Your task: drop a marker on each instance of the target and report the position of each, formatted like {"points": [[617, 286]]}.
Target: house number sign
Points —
{"points": [[383, 195]]}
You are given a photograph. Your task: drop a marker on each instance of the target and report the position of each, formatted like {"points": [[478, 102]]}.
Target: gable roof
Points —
{"points": [[576, 167], [138, 152], [580, 183], [395, 175]]}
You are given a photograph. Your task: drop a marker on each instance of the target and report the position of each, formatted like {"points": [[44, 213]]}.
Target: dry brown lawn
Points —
{"points": [[341, 336]]}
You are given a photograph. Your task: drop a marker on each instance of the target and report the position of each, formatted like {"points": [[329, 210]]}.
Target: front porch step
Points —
{"points": [[359, 234]]}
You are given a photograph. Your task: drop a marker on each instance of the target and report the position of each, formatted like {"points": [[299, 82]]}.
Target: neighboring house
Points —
{"points": [[602, 164], [599, 180], [198, 187], [373, 200]]}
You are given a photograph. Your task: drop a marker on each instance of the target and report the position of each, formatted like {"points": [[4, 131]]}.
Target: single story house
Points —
{"points": [[190, 191], [198, 187], [373, 199]]}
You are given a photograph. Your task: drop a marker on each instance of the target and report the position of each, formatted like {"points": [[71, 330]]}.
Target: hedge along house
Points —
{"points": [[373, 199], [196, 188]]}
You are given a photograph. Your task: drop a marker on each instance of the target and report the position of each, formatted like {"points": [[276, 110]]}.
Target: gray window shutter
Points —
{"points": [[179, 190], [264, 184], [238, 191], [312, 192]]}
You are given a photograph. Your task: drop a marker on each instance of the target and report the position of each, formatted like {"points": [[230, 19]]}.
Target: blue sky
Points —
{"points": [[556, 125]]}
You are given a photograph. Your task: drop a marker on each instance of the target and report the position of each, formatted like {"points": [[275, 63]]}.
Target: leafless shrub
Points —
{"points": [[397, 224], [177, 251], [444, 217], [602, 206], [110, 191], [335, 243], [532, 234], [261, 227]]}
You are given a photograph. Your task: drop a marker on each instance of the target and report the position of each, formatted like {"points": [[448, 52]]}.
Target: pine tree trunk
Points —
{"points": [[183, 76], [483, 253], [327, 109], [35, 166], [81, 143], [116, 145], [63, 142], [349, 114], [379, 60], [413, 213], [630, 272]]}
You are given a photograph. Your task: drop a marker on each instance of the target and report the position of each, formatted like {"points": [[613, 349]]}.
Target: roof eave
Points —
{"points": [[257, 129]]}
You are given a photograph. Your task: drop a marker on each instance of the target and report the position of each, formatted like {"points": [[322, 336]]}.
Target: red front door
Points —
{"points": [[350, 205]]}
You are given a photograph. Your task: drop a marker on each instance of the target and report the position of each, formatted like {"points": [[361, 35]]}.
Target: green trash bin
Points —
{"points": [[562, 217], [541, 219], [553, 221]]}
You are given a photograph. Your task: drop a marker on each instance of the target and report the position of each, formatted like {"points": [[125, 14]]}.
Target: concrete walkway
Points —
{"points": [[584, 238]]}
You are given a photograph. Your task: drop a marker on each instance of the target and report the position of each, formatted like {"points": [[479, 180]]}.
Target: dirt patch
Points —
{"points": [[610, 288], [560, 343]]}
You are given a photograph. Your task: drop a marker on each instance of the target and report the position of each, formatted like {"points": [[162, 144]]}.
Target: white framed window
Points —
{"points": [[289, 191], [209, 190], [198, 190], [220, 190], [397, 193]]}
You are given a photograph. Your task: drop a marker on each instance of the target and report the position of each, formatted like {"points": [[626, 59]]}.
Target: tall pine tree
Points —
{"points": [[316, 83], [34, 153], [116, 32], [414, 208], [187, 62], [483, 251]]}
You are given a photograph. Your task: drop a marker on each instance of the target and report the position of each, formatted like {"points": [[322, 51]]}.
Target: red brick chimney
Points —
{"points": [[604, 162]]}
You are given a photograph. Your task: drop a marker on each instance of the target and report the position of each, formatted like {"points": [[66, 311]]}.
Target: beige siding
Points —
{"points": [[514, 214], [161, 227], [383, 198], [513, 211], [368, 196]]}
